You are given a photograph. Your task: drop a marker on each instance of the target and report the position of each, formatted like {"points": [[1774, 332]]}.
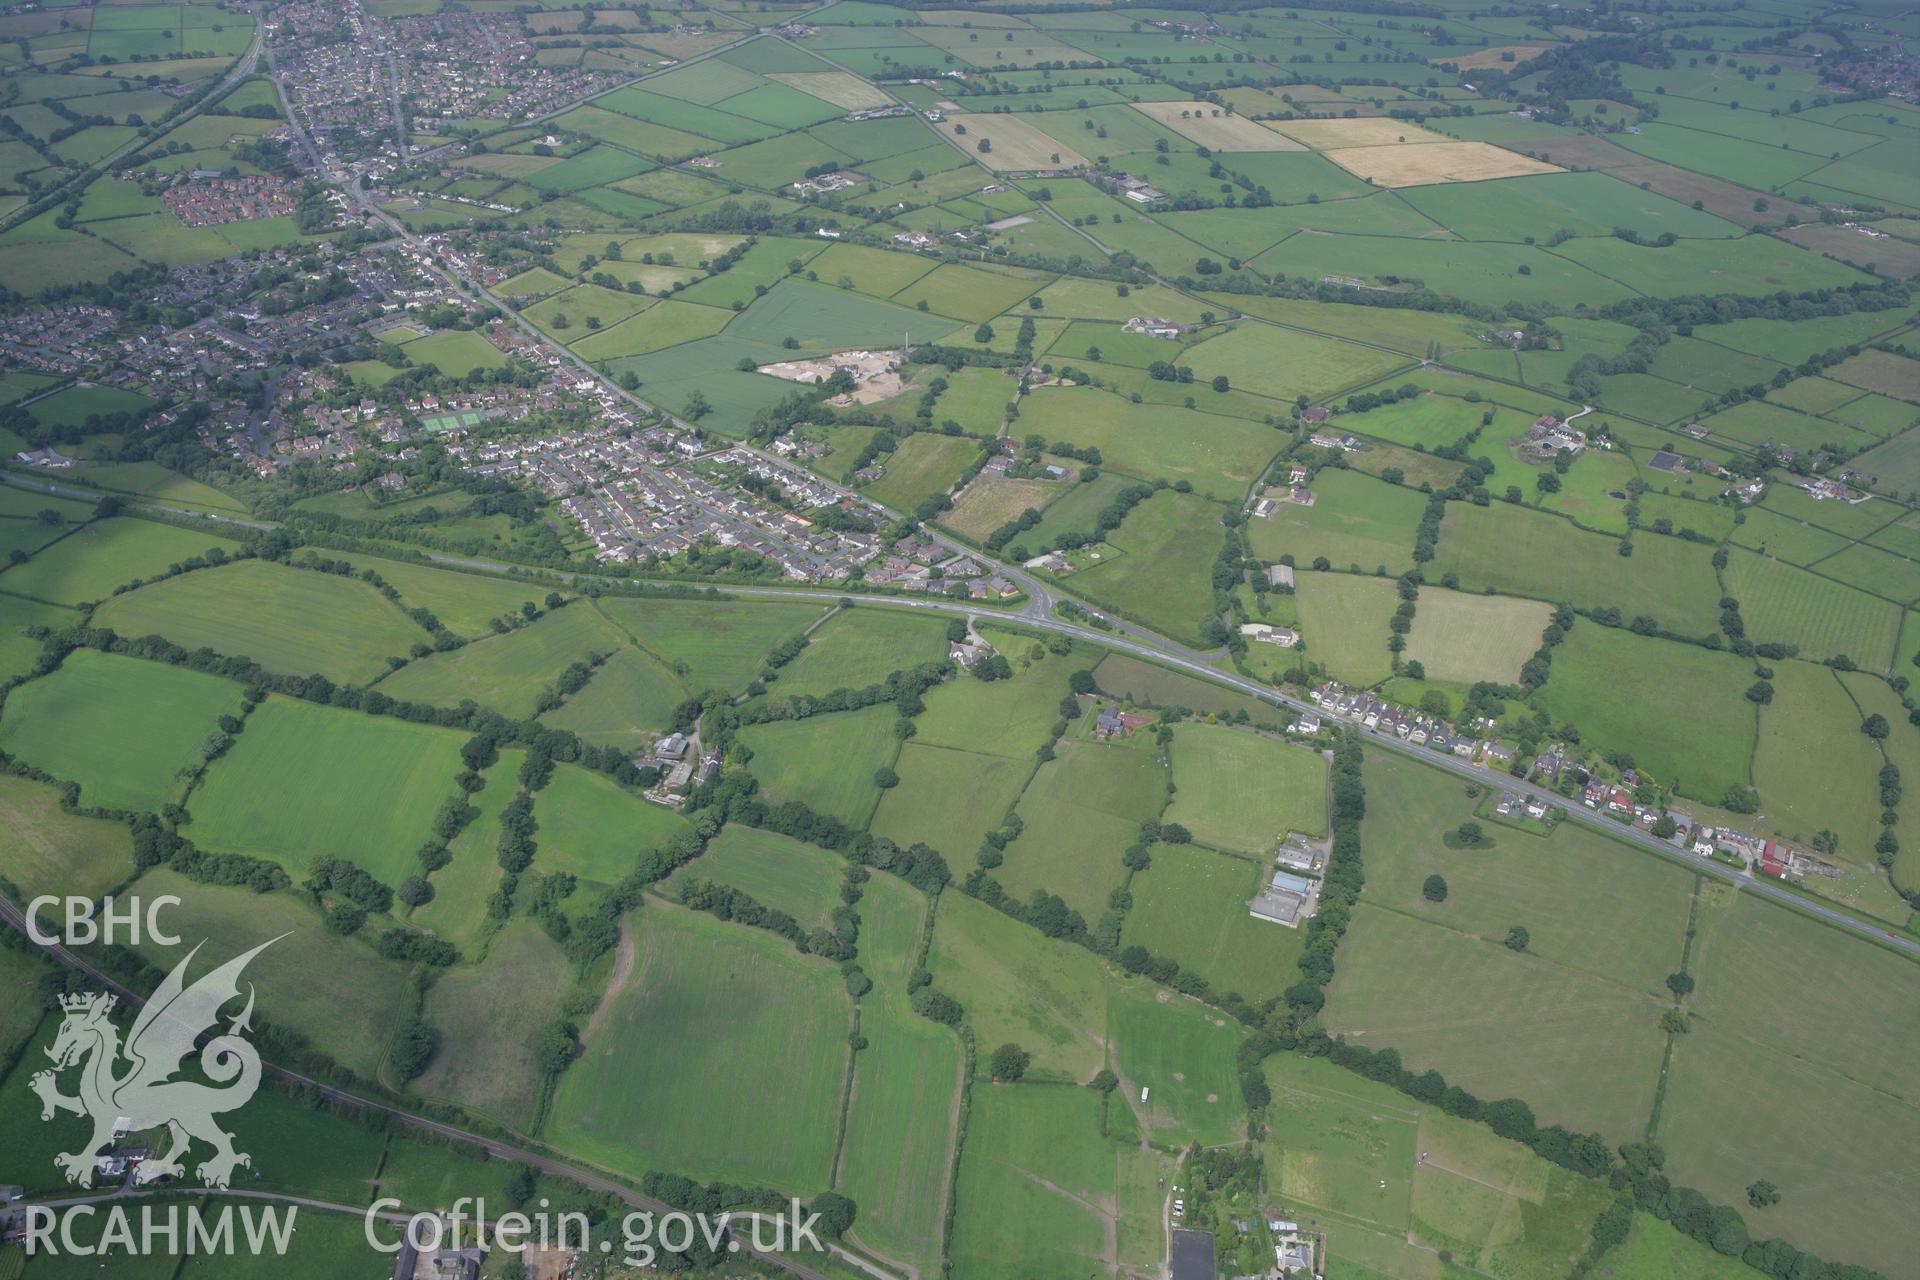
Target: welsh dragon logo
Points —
{"points": [[145, 1095]]}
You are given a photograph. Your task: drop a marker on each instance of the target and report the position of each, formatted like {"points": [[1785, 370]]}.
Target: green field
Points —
{"points": [[455, 352], [43, 849], [1190, 906], [591, 828], [901, 1113], [860, 647], [1048, 997], [1219, 455], [1344, 624], [924, 466], [1816, 771], [1571, 1024], [1283, 363], [1691, 726], [949, 799], [709, 645], [488, 1017], [123, 729], [1845, 1060], [1823, 617], [715, 1106], [1526, 553], [506, 672], [1465, 638], [1080, 812], [1354, 522], [333, 991], [290, 621], [827, 761], [1166, 547], [1002, 717], [106, 554], [776, 871], [396, 773], [630, 698], [1242, 792], [1036, 1181]]}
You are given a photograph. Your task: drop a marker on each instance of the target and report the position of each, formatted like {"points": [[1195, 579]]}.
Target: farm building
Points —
{"points": [[1285, 637], [1284, 899]]}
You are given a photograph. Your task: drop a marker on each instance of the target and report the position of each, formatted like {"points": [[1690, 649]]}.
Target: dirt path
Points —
{"points": [[625, 956], [1107, 1208]]}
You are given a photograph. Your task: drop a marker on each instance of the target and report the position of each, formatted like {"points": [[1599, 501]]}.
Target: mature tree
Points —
{"points": [[1680, 983], [1518, 938], [1762, 1194], [1010, 1062], [1875, 726], [1434, 890]]}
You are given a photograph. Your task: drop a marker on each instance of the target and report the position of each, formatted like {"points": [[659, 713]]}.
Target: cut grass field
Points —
{"points": [[290, 621], [1355, 522], [827, 761], [1014, 143], [709, 645], [1824, 618], [368, 789], [1424, 164], [1495, 1207], [1190, 906], [1521, 552], [1694, 729], [1466, 638], [716, 1106], [1572, 1023], [1240, 791], [1344, 624], [123, 729], [991, 501], [507, 672]]}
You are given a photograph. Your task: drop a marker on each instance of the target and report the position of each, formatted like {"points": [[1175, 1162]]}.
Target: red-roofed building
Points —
{"points": [[1771, 863]]}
